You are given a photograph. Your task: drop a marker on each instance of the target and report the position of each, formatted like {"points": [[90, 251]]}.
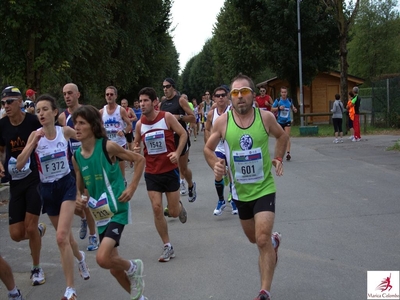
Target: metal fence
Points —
{"points": [[385, 102]]}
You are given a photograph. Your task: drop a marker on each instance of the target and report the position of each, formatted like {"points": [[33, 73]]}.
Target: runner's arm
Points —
{"points": [[208, 126], [173, 123], [125, 118], [28, 149], [217, 133], [189, 117]]}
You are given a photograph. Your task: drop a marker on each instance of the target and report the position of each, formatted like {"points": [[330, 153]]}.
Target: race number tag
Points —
{"points": [[155, 142], [54, 164], [248, 165], [18, 174], [100, 210], [75, 146], [284, 113], [111, 133]]}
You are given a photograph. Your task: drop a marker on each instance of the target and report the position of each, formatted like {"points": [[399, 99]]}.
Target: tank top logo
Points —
{"points": [[246, 142]]}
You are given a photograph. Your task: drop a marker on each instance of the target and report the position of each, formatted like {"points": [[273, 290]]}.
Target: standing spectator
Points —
{"points": [[283, 106], [356, 101], [337, 119], [264, 100], [350, 114]]}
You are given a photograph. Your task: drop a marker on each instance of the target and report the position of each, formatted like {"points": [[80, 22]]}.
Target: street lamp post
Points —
{"points": [[300, 65]]}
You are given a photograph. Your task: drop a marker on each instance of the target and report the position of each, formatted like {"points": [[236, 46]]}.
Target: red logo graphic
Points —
{"points": [[385, 284]]}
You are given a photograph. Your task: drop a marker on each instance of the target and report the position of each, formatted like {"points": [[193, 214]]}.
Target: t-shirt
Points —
{"points": [[283, 114], [14, 138], [261, 102]]}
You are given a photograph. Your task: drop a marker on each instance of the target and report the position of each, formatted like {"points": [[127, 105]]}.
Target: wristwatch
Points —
{"points": [[180, 117]]}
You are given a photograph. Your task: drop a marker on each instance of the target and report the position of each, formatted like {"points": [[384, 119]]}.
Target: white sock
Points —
{"points": [[14, 291], [167, 244], [132, 268]]}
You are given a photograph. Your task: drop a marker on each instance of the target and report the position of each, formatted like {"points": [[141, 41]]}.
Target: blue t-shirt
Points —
{"points": [[138, 113], [283, 114]]}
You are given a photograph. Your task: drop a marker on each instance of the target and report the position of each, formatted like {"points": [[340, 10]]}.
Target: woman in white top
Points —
{"points": [[57, 187]]}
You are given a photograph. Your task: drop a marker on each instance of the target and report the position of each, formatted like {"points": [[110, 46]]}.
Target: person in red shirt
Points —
{"points": [[264, 100]]}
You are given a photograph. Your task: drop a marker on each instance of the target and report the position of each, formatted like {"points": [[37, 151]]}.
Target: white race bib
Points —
{"points": [[284, 113], [100, 210], [248, 165], [155, 142], [54, 164], [18, 174]]}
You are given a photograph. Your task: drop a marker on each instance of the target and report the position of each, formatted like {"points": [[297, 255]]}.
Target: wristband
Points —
{"points": [[278, 158]]}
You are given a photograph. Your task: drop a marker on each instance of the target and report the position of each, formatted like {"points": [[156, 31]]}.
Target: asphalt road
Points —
{"points": [[338, 209]]}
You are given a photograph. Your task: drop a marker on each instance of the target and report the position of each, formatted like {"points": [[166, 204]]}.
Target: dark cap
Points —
{"points": [[170, 80], [10, 91], [222, 87]]}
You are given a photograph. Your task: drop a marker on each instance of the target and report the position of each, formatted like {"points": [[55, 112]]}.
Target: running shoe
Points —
{"points": [[42, 229], [83, 230], [351, 137], [70, 294], [234, 208], [192, 193], [83, 268], [288, 157], [37, 276], [277, 238], [137, 281], [340, 140], [183, 190], [143, 298], [182, 214], [168, 253], [263, 295], [220, 207], [335, 141], [93, 243], [15, 296]]}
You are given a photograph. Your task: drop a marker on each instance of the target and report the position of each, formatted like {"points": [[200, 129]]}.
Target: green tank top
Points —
{"points": [[248, 157], [105, 184]]}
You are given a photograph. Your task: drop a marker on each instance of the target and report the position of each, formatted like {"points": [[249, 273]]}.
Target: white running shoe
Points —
{"points": [[37, 276]]}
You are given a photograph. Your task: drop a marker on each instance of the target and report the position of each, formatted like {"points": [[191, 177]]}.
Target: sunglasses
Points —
{"points": [[8, 101], [262, 91], [110, 94], [166, 86], [220, 95], [244, 91]]}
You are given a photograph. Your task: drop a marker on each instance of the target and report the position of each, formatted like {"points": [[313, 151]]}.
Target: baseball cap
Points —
{"points": [[30, 93], [10, 91]]}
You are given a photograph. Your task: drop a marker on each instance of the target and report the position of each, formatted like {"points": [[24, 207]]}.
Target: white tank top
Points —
{"points": [[220, 147], [114, 123], [52, 156]]}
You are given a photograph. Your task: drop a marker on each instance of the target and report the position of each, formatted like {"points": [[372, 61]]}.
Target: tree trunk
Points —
{"points": [[30, 61], [344, 66]]}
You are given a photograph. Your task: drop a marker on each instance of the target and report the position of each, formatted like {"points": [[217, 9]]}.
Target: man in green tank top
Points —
{"points": [[245, 131]]}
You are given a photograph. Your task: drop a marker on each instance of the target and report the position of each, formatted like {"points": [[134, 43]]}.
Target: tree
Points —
{"points": [[274, 24], [375, 46], [344, 16]]}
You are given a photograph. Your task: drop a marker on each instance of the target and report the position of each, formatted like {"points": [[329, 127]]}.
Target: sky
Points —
{"points": [[193, 21]]}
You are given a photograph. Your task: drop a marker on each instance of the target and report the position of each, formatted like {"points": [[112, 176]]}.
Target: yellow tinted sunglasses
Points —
{"points": [[244, 91]]}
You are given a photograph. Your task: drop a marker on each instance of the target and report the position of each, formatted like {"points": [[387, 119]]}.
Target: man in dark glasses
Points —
{"points": [[221, 101], [179, 107], [114, 117], [25, 202], [246, 131]]}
